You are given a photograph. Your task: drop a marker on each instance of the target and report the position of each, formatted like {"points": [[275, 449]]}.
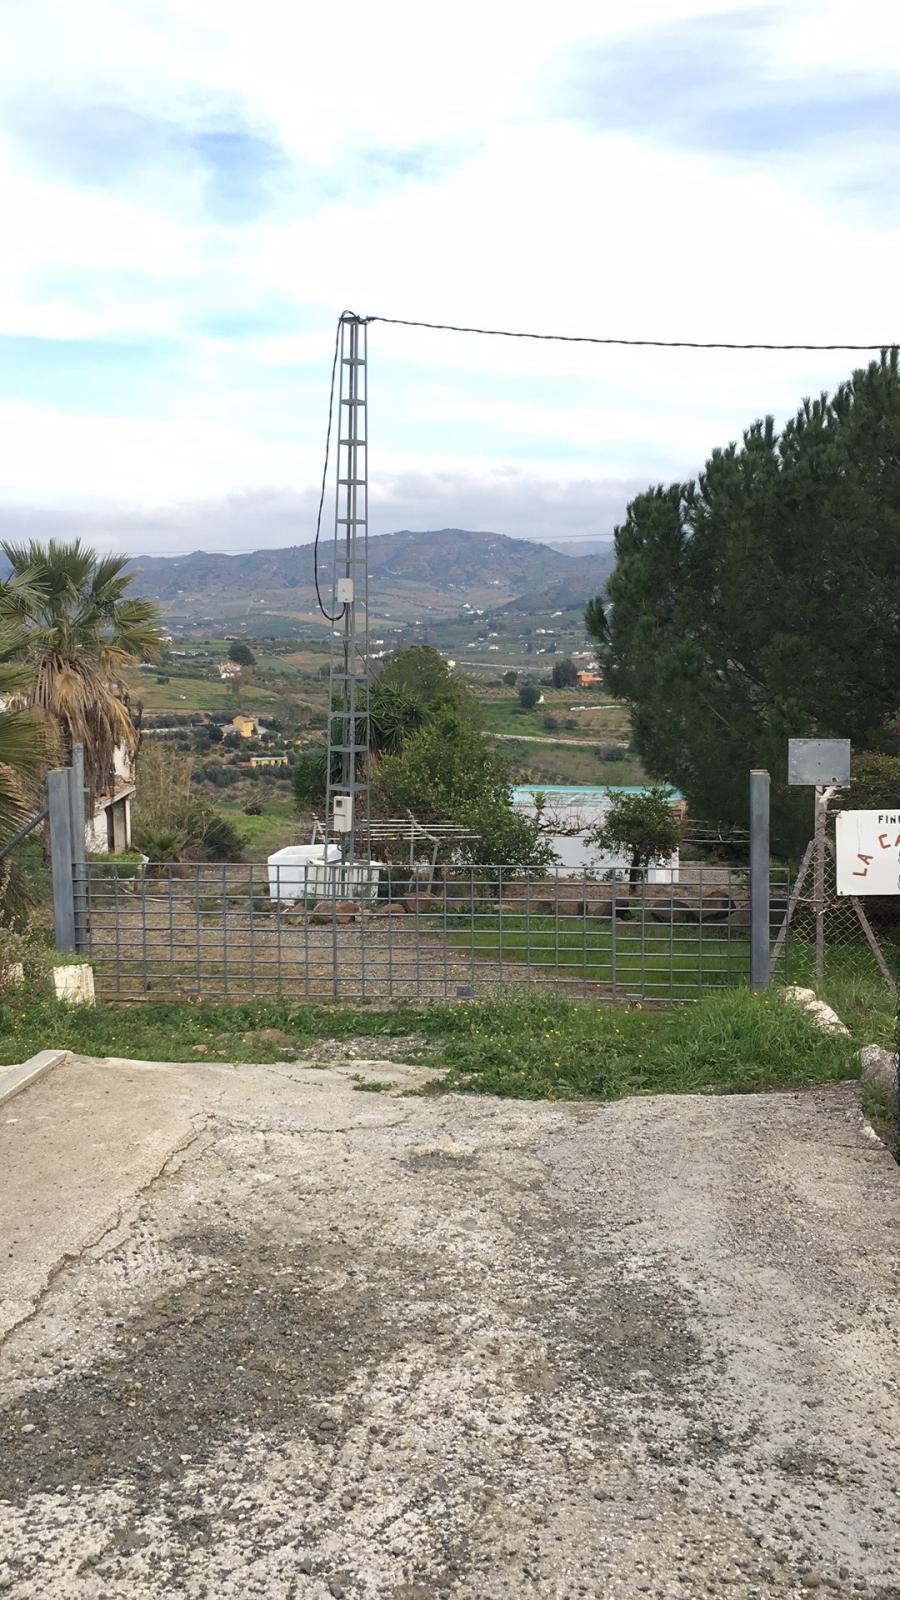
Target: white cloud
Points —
{"points": [[509, 215]]}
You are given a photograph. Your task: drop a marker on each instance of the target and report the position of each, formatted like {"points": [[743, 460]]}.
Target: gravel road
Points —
{"points": [[264, 1334]]}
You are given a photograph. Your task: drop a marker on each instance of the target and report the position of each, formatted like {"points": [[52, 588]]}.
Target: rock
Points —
{"points": [[674, 911], [417, 903], [826, 1019], [393, 909], [74, 984], [818, 1012], [879, 1067], [802, 996], [740, 917], [717, 908], [340, 911]]}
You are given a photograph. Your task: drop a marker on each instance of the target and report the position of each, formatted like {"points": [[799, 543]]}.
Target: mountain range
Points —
{"points": [[437, 571]]}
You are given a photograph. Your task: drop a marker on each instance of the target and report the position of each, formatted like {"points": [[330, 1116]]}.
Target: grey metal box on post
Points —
{"points": [[818, 763]]}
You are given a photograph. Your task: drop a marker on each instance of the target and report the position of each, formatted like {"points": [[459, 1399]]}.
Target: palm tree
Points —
{"points": [[21, 734], [395, 714], [82, 629], [22, 754]]}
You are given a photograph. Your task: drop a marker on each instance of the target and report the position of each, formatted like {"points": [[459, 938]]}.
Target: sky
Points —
{"points": [[193, 190]]}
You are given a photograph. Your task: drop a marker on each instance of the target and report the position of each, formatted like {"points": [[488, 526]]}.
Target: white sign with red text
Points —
{"points": [[868, 852]]}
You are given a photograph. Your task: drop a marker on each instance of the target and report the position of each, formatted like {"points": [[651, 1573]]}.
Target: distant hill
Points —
{"points": [[568, 591], [434, 571], [582, 547]]}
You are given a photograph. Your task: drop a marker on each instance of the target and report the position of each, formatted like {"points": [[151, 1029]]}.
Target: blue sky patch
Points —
{"points": [[704, 83], [116, 148], [119, 376]]}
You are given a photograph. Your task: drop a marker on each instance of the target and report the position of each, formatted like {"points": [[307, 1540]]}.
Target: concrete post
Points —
{"points": [[60, 808], [760, 964]]}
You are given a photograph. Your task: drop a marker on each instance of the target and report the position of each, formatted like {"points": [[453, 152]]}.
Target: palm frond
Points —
{"points": [[81, 630]]}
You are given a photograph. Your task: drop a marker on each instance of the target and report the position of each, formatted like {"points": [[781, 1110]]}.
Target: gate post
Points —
{"points": [[60, 808], [79, 856], [760, 964]]}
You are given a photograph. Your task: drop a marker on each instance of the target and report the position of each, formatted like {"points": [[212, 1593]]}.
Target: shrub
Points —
{"points": [[565, 674], [25, 962], [448, 773]]}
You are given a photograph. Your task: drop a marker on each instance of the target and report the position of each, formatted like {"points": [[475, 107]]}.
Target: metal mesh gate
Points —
{"points": [[227, 932]]}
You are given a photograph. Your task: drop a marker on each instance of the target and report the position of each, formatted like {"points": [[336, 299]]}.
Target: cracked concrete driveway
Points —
{"points": [[265, 1334]]}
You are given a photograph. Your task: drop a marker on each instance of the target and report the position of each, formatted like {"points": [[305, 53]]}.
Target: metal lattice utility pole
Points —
{"points": [[347, 796]]}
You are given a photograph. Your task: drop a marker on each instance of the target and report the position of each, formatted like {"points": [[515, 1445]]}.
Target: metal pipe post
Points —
{"points": [[60, 808], [819, 880], [760, 964], [79, 853]]}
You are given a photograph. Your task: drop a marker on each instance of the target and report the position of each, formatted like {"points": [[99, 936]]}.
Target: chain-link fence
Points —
{"points": [[860, 940], [240, 931]]}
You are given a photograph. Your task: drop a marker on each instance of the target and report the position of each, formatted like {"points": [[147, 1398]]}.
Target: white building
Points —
{"points": [[575, 811], [108, 831]]}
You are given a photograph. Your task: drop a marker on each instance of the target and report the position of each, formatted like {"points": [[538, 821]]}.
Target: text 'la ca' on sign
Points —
{"points": [[867, 845]]}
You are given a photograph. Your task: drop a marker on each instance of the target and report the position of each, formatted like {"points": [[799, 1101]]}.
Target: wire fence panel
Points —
{"points": [[855, 950], [225, 932]]}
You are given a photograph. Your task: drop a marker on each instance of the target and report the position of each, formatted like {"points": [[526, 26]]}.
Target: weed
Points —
{"points": [[528, 1046]]}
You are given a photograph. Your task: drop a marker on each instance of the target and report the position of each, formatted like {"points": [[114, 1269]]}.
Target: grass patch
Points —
{"points": [[179, 1032], [527, 1046], [198, 694], [655, 959], [559, 761], [733, 1043], [277, 826], [604, 722], [852, 985]]}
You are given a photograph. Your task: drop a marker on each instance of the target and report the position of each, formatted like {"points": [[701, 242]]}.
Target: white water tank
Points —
{"points": [[306, 872], [302, 872]]}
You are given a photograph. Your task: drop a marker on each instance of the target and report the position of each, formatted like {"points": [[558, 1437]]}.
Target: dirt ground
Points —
{"points": [[265, 1334]]}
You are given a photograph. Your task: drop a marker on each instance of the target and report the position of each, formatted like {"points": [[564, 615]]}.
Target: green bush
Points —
{"points": [[125, 865], [25, 963]]}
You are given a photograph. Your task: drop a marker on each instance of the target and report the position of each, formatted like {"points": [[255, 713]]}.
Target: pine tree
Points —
{"points": [[763, 602]]}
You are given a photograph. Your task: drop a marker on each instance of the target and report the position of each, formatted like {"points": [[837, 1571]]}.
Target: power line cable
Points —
{"points": [[552, 338], [654, 344], [337, 344]]}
